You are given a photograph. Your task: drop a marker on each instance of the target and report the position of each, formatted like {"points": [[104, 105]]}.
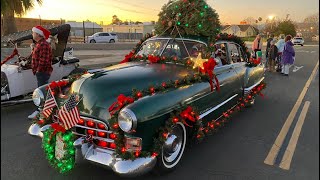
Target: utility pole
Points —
{"points": [[84, 32], [40, 19]]}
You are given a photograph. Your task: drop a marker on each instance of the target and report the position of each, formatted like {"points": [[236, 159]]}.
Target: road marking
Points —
{"points": [[296, 68], [270, 159], [287, 157]]}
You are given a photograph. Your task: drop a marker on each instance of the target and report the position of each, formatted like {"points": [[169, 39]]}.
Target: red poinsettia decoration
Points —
{"points": [[208, 67], [127, 57], [122, 100], [255, 61], [153, 59]]}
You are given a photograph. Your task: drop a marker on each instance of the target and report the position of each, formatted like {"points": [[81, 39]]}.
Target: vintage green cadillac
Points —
{"points": [[139, 115]]}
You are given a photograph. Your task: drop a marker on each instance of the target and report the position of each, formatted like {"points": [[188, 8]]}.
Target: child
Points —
{"points": [[273, 53]]}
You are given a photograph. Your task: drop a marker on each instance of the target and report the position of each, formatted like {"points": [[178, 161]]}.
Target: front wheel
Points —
{"points": [[92, 41], [111, 41], [172, 150]]}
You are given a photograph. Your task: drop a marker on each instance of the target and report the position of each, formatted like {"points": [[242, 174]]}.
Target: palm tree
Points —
{"points": [[11, 7]]}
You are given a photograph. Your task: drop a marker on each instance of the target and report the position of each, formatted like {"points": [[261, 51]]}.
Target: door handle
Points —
{"points": [[231, 67]]}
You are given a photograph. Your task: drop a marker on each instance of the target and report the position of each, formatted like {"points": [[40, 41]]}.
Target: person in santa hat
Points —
{"points": [[41, 62], [41, 56]]}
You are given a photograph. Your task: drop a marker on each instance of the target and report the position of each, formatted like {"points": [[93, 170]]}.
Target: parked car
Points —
{"points": [[102, 37], [17, 78], [102, 138], [298, 41]]}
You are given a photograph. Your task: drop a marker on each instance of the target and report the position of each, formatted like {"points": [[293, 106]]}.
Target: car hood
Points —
{"points": [[101, 89]]}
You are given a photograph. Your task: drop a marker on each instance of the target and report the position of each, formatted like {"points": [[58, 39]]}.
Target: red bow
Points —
{"points": [[58, 84], [121, 101], [187, 114], [15, 52], [255, 61], [153, 59], [57, 128], [127, 57], [208, 69]]}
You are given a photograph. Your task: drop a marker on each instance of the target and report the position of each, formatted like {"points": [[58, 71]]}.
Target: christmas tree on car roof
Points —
{"points": [[188, 18]]}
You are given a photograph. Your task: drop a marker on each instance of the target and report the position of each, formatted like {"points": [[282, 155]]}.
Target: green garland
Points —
{"points": [[49, 143]]}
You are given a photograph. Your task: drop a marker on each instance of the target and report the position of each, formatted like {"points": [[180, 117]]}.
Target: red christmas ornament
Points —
{"points": [[175, 120], [198, 136], [211, 125], [123, 149], [154, 154], [242, 105], [41, 121], [249, 97], [139, 94], [176, 82], [137, 154], [115, 126], [175, 58], [163, 58], [165, 134], [152, 90], [226, 115], [164, 84]]}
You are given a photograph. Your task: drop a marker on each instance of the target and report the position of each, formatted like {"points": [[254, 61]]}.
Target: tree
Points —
{"points": [[116, 20], [11, 7], [312, 22], [188, 17], [286, 27]]}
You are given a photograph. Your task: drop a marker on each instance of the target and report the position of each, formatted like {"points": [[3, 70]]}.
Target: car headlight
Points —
{"points": [[37, 97], [127, 120]]}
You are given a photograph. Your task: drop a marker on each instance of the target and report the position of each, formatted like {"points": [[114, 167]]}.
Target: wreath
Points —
{"points": [[67, 161]]}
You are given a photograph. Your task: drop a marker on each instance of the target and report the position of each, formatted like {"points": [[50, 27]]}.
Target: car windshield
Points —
{"points": [[182, 49], [298, 38], [152, 47]]}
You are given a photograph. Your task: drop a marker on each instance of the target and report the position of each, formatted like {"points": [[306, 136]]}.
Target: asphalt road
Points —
{"points": [[235, 153]]}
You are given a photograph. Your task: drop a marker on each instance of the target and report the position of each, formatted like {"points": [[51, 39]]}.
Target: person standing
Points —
{"points": [[271, 37], [273, 53], [288, 55], [41, 62], [280, 46], [257, 45], [41, 56]]}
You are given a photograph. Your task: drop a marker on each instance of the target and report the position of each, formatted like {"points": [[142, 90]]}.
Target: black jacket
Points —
{"points": [[273, 52]]}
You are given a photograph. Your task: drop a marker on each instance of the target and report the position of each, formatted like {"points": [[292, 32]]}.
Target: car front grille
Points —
{"points": [[96, 131]]}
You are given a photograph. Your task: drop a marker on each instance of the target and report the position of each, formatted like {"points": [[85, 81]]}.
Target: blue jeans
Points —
{"points": [[42, 78]]}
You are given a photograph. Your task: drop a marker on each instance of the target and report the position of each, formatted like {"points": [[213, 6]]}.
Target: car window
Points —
{"points": [[105, 34], [242, 54], [152, 47], [182, 49], [234, 53], [113, 34], [220, 53]]}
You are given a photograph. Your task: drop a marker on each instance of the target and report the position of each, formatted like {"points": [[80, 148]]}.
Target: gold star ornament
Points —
{"points": [[198, 62]]}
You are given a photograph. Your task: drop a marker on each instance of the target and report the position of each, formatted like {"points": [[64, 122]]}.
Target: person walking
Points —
{"points": [[288, 56], [273, 54], [280, 46], [41, 62]]}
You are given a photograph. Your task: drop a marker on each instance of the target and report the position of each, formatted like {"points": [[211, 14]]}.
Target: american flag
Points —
{"points": [[49, 104], [69, 114]]}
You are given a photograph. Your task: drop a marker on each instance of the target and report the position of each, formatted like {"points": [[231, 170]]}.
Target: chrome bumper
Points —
{"points": [[88, 151]]}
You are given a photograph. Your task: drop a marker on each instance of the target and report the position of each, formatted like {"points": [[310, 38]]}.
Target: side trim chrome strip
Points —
{"points": [[216, 107], [249, 88]]}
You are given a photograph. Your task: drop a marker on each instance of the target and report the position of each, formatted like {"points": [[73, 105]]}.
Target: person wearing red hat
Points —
{"points": [[41, 62], [41, 55]]}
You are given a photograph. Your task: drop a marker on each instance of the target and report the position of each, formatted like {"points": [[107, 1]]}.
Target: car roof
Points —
{"points": [[191, 39]]}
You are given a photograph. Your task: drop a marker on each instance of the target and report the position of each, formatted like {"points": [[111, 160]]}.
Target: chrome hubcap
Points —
{"points": [[173, 145]]}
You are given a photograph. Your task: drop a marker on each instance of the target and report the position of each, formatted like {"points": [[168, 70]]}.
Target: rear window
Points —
{"points": [[113, 34], [299, 38]]}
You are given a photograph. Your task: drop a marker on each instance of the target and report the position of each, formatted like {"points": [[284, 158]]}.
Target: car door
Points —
{"points": [[106, 37], [99, 37]]}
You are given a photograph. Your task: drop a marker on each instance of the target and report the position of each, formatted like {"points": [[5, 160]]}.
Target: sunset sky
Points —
{"points": [[230, 11]]}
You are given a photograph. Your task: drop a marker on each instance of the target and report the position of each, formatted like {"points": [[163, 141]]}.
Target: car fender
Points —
{"points": [[253, 75]]}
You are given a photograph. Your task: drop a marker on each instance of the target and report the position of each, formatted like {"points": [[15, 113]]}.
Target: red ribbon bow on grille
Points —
{"points": [[121, 101], [127, 57], [57, 128], [15, 52], [208, 67]]}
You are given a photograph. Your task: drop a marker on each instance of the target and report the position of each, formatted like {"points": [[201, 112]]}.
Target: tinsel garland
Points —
{"points": [[49, 143]]}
